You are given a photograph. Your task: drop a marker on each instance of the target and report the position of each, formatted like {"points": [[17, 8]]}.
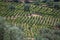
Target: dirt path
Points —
{"points": [[35, 15]]}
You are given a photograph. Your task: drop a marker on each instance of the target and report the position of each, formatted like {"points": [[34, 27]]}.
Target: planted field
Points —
{"points": [[31, 21]]}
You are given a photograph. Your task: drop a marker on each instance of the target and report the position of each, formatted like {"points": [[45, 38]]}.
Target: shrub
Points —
{"points": [[57, 26], [36, 3], [56, 6], [11, 7], [26, 8]]}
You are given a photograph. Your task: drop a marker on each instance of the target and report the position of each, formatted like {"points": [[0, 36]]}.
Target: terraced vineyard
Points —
{"points": [[31, 21]]}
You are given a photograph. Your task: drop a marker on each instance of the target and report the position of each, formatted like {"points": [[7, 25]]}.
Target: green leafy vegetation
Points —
{"points": [[26, 21], [49, 34]]}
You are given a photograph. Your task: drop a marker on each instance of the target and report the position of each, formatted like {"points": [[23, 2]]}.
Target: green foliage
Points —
{"points": [[27, 1], [56, 6], [29, 25], [1, 20], [1, 0], [11, 7], [26, 8], [2, 26], [10, 32], [36, 3], [15, 0], [49, 34], [13, 33]]}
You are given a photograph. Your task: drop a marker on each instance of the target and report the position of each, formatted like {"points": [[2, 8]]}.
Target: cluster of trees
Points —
{"points": [[11, 32], [49, 34]]}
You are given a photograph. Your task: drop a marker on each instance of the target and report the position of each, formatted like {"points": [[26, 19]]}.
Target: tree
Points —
{"points": [[10, 32], [48, 34], [13, 33], [2, 26]]}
